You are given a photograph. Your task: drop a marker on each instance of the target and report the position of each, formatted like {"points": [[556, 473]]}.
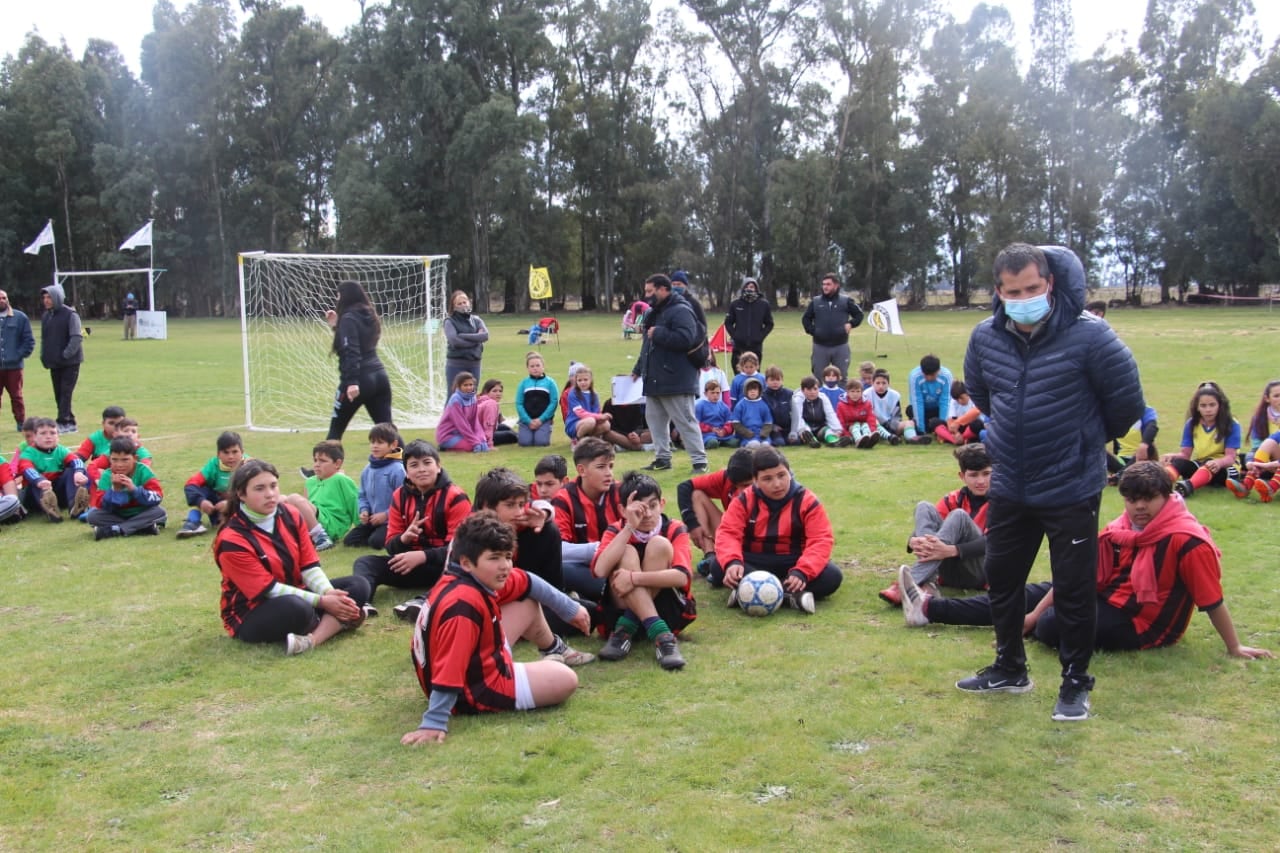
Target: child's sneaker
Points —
{"points": [[80, 503], [895, 440], [322, 541], [49, 503], [1265, 489], [409, 610], [1240, 489], [733, 598], [891, 594], [566, 654], [297, 644], [807, 437], [920, 439], [668, 651], [1072, 705], [191, 528], [617, 647], [913, 599], [845, 441], [869, 441], [106, 531], [802, 601], [1184, 488]]}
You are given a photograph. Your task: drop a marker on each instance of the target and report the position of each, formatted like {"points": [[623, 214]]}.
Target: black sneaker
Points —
{"points": [[844, 441], [617, 647], [895, 440], [802, 601], [106, 531], [668, 651], [658, 465], [992, 680], [409, 610], [1184, 488], [809, 438], [1072, 705]]}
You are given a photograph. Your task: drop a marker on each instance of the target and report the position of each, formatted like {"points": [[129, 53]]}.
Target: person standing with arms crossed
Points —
{"points": [[1036, 364]]}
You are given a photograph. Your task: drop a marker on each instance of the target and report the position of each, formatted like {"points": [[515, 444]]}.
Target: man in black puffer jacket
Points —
{"points": [[670, 378], [1056, 385]]}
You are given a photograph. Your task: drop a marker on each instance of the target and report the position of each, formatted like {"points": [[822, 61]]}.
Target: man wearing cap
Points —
{"points": [[829, 319], [748, 321], [129, 309], [61, 351], [16, 343]]}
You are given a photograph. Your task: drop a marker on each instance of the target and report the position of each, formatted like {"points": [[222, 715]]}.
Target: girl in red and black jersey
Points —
{"points": [[273, 588], [781, 527]]}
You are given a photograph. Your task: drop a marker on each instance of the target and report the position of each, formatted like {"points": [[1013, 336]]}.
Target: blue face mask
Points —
{"points": [[1027, 312]]}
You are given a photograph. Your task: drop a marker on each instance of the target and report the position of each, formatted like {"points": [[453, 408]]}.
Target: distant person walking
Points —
{"points": [[829, 319], [465, 335], [129, 308], [61, 351], [362, 379], [16, 343]]}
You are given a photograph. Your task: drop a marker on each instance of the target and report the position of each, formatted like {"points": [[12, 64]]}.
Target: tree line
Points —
{"points": [[777, 138]]}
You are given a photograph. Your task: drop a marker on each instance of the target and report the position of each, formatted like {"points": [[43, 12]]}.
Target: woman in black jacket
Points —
{"points": [[363, 380]]}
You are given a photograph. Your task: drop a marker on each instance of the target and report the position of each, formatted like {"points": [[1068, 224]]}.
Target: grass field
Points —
{"points": [[129, 720]]}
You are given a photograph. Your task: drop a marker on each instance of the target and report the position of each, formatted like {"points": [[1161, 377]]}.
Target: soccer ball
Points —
{"points": [[760, 593]]}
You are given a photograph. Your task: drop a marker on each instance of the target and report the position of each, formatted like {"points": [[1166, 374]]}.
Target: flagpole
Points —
{"points": [[54, 238]]}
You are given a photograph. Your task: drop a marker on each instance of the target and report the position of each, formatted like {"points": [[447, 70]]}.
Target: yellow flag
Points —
{"points": [[539, 283]]}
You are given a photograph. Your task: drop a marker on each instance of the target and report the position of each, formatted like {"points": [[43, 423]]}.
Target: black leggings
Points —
{"points": [[375, 396], [275, 618]]}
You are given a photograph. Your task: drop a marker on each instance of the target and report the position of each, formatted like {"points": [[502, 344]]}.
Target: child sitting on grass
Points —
{"points": [[330, 506], [208, 489], [857, 417], [378, 481], [461, 654], [646, 559], [778, 396], [1210, 442], [459, 427], [127, 500], [813, 420], [713, 418], [536, 400], [752, 419], [54, 477], [99, 442]]}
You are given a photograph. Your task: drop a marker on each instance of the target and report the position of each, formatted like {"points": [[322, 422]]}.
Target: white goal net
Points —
{"points": [[290, 372]]}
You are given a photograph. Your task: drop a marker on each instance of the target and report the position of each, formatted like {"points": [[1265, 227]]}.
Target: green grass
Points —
{"points": [[128, 719]]}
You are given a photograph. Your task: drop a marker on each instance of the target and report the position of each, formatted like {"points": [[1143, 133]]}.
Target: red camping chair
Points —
{"points": [[547, 328], [633, 319]]}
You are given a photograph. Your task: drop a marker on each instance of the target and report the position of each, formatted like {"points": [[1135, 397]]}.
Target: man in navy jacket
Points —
{"points": [[670, 378], [1057, 385]]}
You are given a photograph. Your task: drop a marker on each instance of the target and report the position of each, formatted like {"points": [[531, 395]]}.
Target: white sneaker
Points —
{"points": [[322, 542], [297, 644], [802, 601], [913, 599], [733, 598]]}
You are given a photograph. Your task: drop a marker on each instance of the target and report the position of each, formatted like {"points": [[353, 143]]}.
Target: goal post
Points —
{"points": [[290, 372]]}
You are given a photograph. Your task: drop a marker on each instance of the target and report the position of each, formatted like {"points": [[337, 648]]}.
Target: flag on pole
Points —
{"points": [[539, 283], [720, 341], [884, 317], [141, 237], [45, 239]]}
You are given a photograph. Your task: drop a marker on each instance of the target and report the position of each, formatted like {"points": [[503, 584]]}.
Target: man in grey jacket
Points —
{"points": [[61, 352], [16, 343], [1057, 385]]}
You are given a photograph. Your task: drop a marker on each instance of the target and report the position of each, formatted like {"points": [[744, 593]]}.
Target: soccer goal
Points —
{"points": [[290, 372]]}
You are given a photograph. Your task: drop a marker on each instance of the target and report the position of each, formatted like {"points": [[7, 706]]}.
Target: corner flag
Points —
{"points": [[539, 283], [884, 317]]}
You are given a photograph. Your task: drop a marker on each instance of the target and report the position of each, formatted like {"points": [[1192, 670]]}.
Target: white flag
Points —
{"points": [[884, 317], [141, 237], [45, 239]]}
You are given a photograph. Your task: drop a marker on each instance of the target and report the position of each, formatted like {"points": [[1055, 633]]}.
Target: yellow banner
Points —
{"points": [[539, 283]]}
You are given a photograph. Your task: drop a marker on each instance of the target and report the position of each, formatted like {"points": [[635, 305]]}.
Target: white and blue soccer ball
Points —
{"points": [[760, 593]]}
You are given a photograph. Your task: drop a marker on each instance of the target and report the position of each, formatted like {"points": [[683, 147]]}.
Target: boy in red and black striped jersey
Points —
{"points": [[646, 560], [423, 514], [697, 498], [461, 654], [779, 526], [950, 537], [584, 509], [1156, 565]]}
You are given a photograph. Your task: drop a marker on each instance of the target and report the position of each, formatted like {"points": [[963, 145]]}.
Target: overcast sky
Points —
{"points": [[125, 22]]}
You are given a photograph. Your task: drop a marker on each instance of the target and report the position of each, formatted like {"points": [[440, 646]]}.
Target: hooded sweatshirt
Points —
{"points": [[60, 333]]}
